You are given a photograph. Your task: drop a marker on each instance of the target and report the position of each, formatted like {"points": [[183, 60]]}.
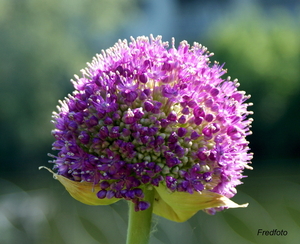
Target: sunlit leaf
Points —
{"points": [[180, 206], [84, 192]]}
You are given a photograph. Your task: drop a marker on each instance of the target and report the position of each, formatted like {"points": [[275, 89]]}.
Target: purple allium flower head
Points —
{"points": [[144, 114]]}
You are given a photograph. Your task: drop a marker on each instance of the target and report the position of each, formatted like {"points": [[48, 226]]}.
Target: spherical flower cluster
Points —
{"points": [[146, 115]]}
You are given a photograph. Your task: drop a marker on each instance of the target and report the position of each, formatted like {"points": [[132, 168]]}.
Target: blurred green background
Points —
{"points": [[43, 43]]}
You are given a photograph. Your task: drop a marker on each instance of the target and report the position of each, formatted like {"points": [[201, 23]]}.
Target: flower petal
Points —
{"points": [[84, 192], [180, 206]]}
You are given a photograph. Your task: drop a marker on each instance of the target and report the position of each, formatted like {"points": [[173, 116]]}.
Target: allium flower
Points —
{"points": [[145, 116]]}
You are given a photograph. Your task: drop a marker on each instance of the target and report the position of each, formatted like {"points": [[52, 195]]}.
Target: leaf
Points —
{"points": [[295, 215], [93, 230], [239, 226], [180, 206], [84, 192]]}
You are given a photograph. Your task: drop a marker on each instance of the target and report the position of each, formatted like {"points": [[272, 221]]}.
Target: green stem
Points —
{"points": [[139, 225]]}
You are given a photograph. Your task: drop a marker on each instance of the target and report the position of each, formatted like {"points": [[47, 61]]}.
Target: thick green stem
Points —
{"points": [[139, 225]]}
